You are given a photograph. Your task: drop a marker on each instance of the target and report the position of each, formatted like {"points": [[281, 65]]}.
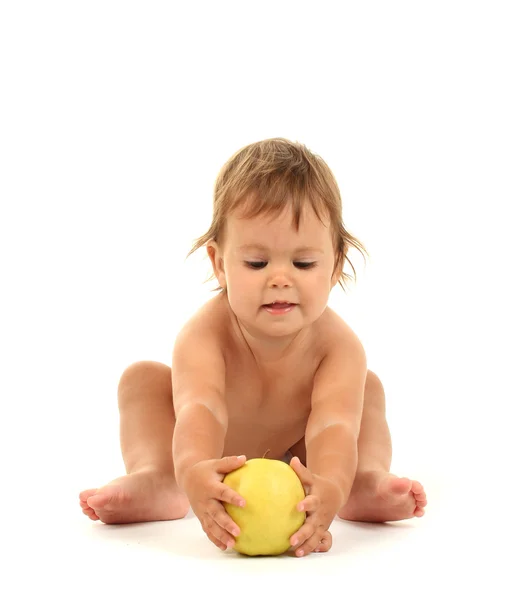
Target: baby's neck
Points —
{"points": [[272, 350]]}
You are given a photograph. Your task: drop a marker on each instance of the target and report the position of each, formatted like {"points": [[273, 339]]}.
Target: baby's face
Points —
{"points": [[266, 260]]}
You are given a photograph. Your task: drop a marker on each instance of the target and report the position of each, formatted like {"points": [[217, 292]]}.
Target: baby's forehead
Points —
{"points": [[276, 230]]}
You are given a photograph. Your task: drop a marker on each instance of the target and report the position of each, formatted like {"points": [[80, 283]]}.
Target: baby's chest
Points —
{"points": [[269, 401]]}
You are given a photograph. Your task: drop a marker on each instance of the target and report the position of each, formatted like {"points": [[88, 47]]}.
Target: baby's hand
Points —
{"points": [[206, 492], [321, 504]]}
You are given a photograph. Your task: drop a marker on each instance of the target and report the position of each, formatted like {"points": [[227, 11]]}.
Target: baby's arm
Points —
{"points": [[332, 430], [331, 440], [198, 398], [200, 430]]}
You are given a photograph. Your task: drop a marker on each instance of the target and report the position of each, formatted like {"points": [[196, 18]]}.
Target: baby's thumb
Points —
{"points": [[230, 463], [301, 471]]}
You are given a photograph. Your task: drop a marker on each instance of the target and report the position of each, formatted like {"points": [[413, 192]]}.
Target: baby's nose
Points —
{"points": [[280, 280]]}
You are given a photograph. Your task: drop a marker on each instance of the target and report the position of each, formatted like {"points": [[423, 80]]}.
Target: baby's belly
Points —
{"points": [[259, 442]]}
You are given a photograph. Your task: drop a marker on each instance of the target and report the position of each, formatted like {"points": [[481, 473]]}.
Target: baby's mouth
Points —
{"points": [[279, 304], [279, 308]]}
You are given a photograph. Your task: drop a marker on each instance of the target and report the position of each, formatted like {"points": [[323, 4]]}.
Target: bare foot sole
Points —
{"points": [[147, 495], [378, 497]]}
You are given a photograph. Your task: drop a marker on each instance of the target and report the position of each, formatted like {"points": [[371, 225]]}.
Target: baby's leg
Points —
{"points": [[377, 495], [149, 491]]}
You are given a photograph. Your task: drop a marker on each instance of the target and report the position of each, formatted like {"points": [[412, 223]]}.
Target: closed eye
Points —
{"points": [[261, 264], [256, 265]]}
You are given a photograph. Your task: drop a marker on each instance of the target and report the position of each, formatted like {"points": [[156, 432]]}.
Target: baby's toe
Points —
{"points": [[417, 487], [83, 496], [106, 498], [419, 494], [89, 512], [84, 505]]}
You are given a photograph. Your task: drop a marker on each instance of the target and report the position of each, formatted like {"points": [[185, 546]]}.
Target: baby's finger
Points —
{"points": [[325, 543], [311, 543], [213, 528], [218, 514], [228, 464], [215, 541], [307, 548], [301, 471], [309, 504], [304, 533], [224, 493]]}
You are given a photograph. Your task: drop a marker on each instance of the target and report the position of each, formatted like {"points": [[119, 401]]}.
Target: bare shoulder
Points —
{"points": [[335, 336], [204, 334], [338, 391], [198, 362], [209, 320]]}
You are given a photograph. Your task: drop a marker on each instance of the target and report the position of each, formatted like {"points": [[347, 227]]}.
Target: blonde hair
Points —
{"points": [[267, 176]]}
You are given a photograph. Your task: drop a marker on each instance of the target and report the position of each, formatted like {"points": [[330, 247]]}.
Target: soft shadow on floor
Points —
{"points": [[186, 538]]}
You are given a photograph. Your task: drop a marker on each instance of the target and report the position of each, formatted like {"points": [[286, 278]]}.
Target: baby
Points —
{"points": [[263, 368]]}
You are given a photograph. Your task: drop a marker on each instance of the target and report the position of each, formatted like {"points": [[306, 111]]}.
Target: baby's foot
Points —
{"points": [[147, 495], [379, 496]]}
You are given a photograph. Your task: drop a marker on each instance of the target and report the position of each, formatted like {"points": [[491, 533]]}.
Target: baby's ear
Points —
{"points": [[216, 258], [337, 272]]}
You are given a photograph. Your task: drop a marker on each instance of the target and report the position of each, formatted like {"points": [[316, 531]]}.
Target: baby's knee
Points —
{"points": [[373, 382], [145, 372]]}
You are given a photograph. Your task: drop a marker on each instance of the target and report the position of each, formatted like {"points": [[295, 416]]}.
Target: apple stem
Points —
{"points": [[266, 452]]}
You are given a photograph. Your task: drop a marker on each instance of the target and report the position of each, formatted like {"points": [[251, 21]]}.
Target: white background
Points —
{"points": [[115, 120]]}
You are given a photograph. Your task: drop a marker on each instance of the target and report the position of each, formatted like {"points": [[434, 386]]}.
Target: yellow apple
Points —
{"points": [[269, 518]]}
